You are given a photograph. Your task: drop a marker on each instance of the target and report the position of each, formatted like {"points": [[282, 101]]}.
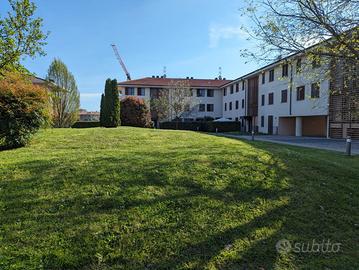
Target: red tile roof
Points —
{"points": [[149, 81]]}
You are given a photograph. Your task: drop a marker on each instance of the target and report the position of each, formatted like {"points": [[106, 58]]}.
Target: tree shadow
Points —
{"points": [[162, 210]]}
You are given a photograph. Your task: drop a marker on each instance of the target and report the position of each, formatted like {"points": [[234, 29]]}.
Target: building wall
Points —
{"points": [[293, 107], [239, 96], [216, 100], [344, 99]]}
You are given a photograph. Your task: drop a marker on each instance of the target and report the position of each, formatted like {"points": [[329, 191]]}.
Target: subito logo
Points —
{"points": [[283, 246]]}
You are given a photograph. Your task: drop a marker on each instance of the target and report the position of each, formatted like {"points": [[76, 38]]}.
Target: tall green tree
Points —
{"points": [[102, 110], [65, 95], [115, 98], [20, 35], [107, 103], [110, 105]]}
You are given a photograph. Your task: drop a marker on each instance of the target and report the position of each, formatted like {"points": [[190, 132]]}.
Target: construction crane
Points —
{"points": [[128, 76]]}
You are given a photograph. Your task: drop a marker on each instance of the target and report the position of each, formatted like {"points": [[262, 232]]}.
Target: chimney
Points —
{"points": [[187, 77], [157, 77], [192, 78], [153, 76]]}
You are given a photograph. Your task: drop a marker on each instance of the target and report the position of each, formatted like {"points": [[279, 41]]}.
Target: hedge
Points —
{"points": [[209, 126], [86, 124]]}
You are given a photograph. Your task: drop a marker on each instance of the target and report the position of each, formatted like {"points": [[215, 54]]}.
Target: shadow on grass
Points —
{"points": [[224, 209]]}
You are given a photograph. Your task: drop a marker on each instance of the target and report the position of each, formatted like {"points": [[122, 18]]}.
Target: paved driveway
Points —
{"points": [[319, 143]]}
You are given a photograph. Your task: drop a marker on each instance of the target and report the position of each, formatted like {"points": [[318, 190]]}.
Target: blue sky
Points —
{"points": [[189, 37]]}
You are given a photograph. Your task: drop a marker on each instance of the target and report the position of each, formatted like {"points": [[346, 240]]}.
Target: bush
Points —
{"points": [[24, 108], [80, 124], [135, 112], [203, 126]]}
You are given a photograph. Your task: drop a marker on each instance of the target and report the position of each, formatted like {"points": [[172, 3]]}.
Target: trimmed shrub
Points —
{"points": [[84, 124], [24, 108], [203, 126], [223, 126], [135, 112]]}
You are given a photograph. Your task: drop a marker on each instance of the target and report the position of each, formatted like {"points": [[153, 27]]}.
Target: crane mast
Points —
{"points": [[114, 47]]}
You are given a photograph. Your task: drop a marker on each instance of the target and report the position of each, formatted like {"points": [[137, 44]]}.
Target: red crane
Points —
{"points": [[128, 76]]}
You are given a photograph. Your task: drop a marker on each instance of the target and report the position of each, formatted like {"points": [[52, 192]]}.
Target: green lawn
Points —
{"points": [[132, 198]]}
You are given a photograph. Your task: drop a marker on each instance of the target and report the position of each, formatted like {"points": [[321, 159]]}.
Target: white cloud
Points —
{"points": [[219, 32]]}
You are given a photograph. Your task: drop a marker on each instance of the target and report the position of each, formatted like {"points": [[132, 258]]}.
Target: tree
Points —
{"points": [[135, 112], [174, 101], [20, 35], [24, 108], [115, 105], [291, 26], [65, 96], [110, 105], [102, 110]]}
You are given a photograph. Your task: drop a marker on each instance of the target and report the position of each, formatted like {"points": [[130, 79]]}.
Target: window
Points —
{"points": [[271, 75], [140, 91], [230, 105], [299, 65], [237, 104], [285, 70], [242, 103], [270, 98], [225, 106], [300, 92], [237, 87], [129, 91], [224, 91], [201, 92], [210, 92], [262, 121], [236, 119], [202, 107], [263, 78], [232, 88], [210, 107], [263, 100], [243, 84], [284, 96], [315, 90]]}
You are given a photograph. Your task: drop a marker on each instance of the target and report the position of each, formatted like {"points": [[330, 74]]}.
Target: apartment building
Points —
{"points": [[288, 97], [292, 96], [207, 93]]}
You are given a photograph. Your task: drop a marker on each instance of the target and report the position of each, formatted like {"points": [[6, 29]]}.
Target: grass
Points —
{"points": [[132, 198]]}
